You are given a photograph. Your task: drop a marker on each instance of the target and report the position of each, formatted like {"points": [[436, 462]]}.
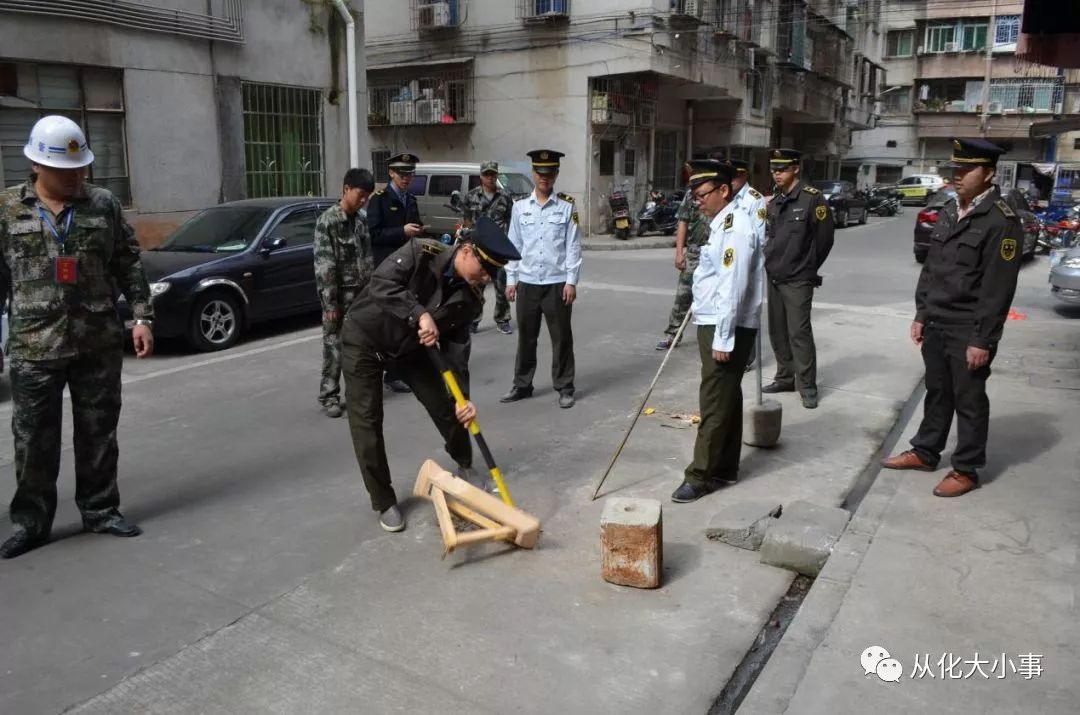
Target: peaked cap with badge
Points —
{"points": [[783, 158], [492, 246], [968, 153], [703, 170], [404, 163], [545, 161]]}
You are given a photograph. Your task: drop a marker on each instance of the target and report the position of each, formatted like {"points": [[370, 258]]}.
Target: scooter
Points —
{"points": [[658, 213], [620, 214], [883, 202]]}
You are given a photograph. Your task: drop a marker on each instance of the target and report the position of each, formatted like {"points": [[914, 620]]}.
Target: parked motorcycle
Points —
{"points": [[620, 215], [883, 201], [658, 213]]}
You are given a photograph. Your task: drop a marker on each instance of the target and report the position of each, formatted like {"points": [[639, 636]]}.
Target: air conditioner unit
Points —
{"points": [[550, 8], [993, 107], [434, 15], [430, 111], [951, 47], [403, 112], [692, 8]]}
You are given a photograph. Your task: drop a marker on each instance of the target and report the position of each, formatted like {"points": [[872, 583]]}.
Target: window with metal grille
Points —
{"points": [[1006, 30], [900, 43], [282, 140], [629, 158], [541, 10], [410, 96], [93, 97], [379, 160]]}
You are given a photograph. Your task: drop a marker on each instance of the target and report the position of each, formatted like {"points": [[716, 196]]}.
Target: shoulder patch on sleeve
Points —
{"points": [[1008, 249], [729, 257], [755, 194], [1000, 203], [761, 213], [566, 197], [821, 212], [811, 190], [432, 247]]}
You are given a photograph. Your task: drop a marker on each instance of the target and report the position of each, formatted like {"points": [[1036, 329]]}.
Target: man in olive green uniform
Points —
{"points": [[690, 236], [343, 265], [489, 199], [799, 234], [65, 254], [965, 289], [422, 295]]}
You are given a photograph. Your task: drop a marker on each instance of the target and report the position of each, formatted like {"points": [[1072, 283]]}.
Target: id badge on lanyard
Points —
{"points": [[65, 268]]}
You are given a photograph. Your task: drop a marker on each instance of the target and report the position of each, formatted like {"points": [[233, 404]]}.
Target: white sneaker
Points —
{"points": [[392, 519]]}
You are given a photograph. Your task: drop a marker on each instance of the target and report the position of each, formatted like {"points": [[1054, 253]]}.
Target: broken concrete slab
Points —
{"points": [[803, 537], [743, 524]]}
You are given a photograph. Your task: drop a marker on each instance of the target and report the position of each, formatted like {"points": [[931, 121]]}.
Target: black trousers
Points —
{"points": [[953, 389], [719, 436], [37, 396], [363, 370], [533, 303], [792, 335]]}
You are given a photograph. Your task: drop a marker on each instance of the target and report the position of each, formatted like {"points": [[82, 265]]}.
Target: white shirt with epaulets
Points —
{"points": [[547, 237], [727, 282], [753, 203]]}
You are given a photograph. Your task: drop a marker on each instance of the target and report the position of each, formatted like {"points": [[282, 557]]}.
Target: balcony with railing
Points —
{"points": [[794, 47], [624, 101], [431, 16], [1016, 97], [543, 11], [688, 12], [412, 96], [736, 19]]}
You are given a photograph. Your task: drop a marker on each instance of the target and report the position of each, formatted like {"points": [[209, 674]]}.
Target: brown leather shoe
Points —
{"points": [[955, 484], [907, 460]]}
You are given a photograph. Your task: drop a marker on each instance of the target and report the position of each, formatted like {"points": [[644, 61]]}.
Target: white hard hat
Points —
{"points": [[58, 142]]}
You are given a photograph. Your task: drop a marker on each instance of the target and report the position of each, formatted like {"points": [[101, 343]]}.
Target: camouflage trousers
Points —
{"points": [[330, 382], [37, 396], [684, 292], [502, 305]]}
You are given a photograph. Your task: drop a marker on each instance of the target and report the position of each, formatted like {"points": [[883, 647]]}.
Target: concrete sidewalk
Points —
{"points": [[607, 242], [974, 595], [392, 628]]}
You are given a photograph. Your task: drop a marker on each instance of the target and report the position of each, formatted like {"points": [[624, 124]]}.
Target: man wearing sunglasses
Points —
{"points": [[727, 300], [424, 294], [799, 236]]}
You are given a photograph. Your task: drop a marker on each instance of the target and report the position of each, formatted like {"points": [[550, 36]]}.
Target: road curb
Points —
{"points": [[781, 676], [630, 244]]}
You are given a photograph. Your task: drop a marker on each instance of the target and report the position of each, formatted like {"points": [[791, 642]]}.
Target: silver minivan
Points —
{"points": [[434, 182]]}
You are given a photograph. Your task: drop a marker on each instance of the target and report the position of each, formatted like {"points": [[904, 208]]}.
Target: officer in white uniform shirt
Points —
{"points": [[544, 230], [727, 301], [748, 198]]}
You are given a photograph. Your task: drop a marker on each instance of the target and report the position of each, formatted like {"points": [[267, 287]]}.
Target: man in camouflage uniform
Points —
{"points": [[65, 254], [489, 199], [343, 266], [691, 235]]}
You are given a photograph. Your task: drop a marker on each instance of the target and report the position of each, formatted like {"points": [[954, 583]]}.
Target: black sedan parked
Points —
{"points": [[928, 217], [847, 204], [233, 265]]}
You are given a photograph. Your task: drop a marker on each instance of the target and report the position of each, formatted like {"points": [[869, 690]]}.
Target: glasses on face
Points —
{"points": [[699, 197]]}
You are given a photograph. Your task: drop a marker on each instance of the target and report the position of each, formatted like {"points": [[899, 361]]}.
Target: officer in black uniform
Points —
{"points": [[423, 294], [963, 296], [393, 218], [800, 236]]}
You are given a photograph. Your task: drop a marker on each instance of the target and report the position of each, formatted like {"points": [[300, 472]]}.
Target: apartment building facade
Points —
{"points": [[185, 103], [951, 71], [628, 89]]}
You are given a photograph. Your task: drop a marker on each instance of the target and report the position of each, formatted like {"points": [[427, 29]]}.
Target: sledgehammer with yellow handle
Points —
{"points": [[474, 426]]}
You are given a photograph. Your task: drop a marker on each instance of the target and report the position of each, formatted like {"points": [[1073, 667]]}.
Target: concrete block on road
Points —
{"points": [[743, 524], [803, 537], [632, 542]]}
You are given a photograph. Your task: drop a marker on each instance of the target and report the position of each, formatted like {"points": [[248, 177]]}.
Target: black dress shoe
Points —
{"points": [[516, 393], [688, 492], [774, 387], [20, 543], [566, 400], [116, 527], [809, 400], [398, 386]]}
